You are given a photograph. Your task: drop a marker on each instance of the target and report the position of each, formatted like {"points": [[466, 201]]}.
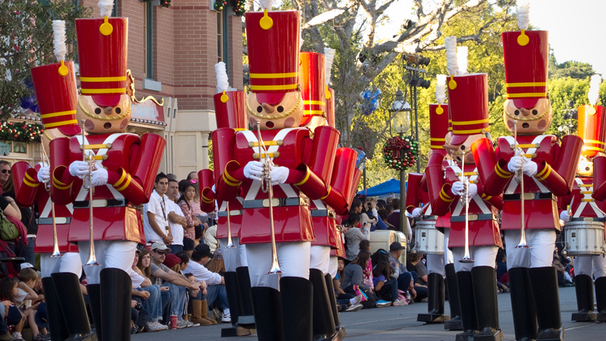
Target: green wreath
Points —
{"points": [[401, 152]]}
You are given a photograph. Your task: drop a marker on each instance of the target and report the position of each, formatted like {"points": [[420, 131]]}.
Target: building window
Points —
{"points": [[149, 40], [223, 36]]}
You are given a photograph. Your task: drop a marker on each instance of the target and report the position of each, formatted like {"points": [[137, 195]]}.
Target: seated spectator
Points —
{"points": [[564, 278], [354, 235], [368, 280], [353, 281], [210, 238], [419, 272], [146, 294], [173, 300], [216, 293], [386, 287], [12, 315], [383, 214], [345, 301], [405, 279]]}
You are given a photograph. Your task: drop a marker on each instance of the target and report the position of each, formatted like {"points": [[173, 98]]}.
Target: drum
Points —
{"points": [[428, 239], [584, 238]]}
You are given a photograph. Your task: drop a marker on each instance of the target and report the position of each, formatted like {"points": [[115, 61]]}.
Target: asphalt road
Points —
{"points": [[400, 323]]}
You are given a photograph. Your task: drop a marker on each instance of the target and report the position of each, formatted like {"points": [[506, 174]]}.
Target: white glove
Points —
{"points": [[473, 190], [79, 169], [458, 188], [253, 170], [278, 175], [99, 175], [530, 167], [417, 212], [44, 174], [564, 216], [515, 163]]}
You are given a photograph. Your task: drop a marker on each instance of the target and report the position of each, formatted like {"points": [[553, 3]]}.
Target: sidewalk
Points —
{"points": [[400, 323]]}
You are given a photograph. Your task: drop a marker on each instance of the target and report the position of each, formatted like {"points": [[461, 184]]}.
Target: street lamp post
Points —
{"points": [[401, 124]]}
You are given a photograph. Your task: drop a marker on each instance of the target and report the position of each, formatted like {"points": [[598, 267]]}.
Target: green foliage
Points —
{"points": [[26, 40], [571, 69]]}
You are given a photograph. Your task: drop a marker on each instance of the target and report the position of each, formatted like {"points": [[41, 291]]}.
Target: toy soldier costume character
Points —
{"points": [[584, 219], [547, 170], [474, 229], [119, 169], [55, 86]]}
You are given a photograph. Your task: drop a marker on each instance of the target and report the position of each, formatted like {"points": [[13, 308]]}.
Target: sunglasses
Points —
{"points": [[6, 171], [161, 252]]}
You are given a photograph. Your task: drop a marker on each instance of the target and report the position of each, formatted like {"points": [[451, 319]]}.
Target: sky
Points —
{"points": [[576, 27]]}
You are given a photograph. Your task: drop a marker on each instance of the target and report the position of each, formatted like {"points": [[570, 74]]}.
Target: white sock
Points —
{"points": [[353, 300]]}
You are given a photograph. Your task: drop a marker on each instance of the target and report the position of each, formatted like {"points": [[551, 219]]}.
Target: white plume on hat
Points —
{"points": [[330, 57], [441, 88], [59, 39], [266, 4], [594, 89], [106, 7], [451, 55], [222, 78], [462, 52], [523, 14]]}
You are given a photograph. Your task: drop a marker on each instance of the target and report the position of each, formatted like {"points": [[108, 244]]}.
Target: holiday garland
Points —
{"points": [[238, 5], [400, 152], [22, 132]]}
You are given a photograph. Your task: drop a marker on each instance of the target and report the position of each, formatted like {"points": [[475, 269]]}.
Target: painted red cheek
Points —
{"points": [[542, 124], [124, 124], [289, 122], [89, 125]]}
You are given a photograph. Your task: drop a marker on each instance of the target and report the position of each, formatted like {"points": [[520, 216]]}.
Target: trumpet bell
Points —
{"points": [[92, 262], [275, 270], [522, 246], [55, 254], [466, 260]]}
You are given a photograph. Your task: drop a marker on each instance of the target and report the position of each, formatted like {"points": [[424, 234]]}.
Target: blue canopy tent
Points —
{"points": [[384, 189]]}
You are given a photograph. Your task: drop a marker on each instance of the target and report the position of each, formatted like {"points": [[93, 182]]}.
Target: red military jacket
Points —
{"points": [[29, 191], [309, 169], [483, 209], [235, 218], [132, 163], [555, 173], [581, 201]]}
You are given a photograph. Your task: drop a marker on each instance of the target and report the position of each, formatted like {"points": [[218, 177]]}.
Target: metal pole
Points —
{"points": [[403, 218], [417, 128]]}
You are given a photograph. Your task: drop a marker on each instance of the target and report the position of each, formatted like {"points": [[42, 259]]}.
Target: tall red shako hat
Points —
{"points": [[591, 122], [230, 106], [56, 90], [526, 54], [313, 85], [467, 95], [273, 56], [439, 117], [102, 50], [330, 93]]}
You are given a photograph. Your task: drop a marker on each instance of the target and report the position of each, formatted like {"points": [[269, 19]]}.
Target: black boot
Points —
{"points": [[66, 284], [583, 287], [333, 304], [246, 318], [94, 299], [600, 297], [235, 306], [56, 321], [116, 288], [484, 280], [544, 282], [522, 304], [323, 321], [469, 318], [435, 300], [453, 299], [297, 302], [267, 306]]}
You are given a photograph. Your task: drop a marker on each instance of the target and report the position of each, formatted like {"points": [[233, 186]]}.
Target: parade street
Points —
{"points": [[400, 323]]}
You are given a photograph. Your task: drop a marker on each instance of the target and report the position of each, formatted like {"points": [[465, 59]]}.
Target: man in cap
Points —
{"points": [[215, 289]]}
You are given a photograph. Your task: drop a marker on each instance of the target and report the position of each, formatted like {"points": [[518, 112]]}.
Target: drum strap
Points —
{"points": [[587, 199]]}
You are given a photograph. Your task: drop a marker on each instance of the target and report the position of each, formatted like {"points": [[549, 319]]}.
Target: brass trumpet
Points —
{"points": [[466, 257], [520, 177], [230, 244], [267, 188], [88, 157], [56, 253]]}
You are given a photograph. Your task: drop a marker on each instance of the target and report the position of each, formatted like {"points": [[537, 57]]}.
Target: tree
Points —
{"points": [[26, 40]]}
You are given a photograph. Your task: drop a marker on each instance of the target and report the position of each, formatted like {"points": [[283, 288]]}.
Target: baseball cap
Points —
{"points": [[159, 246], [203, 250], [171, 260], [396, 246]]}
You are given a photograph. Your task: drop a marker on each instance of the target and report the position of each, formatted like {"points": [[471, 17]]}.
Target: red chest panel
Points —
{"points": [[582, 204], [44, 237]]}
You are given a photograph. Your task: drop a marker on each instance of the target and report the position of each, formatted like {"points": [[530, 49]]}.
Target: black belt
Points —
{"points": [[528, 196], [473, 217], [277, 202], [231, 213], [58, 220], [101, 203], [430, 217], [601, 220], [322, 213]]}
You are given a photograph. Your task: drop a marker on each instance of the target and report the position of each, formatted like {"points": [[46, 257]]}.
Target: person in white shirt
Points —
{"points": [[215, 283], [176, 218], [155, 214]]}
